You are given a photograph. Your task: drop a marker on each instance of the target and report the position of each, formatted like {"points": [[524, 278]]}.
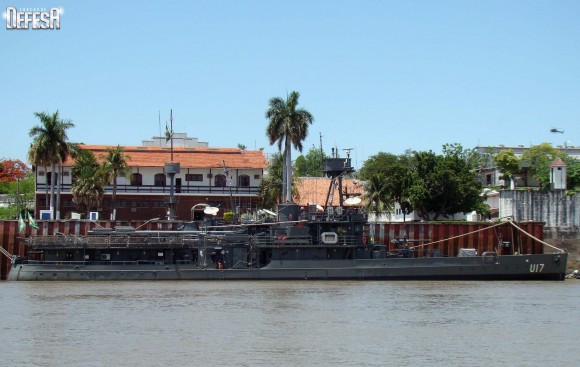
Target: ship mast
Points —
{"points": [[171, 168]]}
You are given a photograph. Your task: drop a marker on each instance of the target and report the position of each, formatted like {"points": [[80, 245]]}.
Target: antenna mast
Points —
{"points": [[321, 156]]}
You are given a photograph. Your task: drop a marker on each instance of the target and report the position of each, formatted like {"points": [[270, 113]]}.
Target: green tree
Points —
{"points": [[572, 172], [311, 164], [49, 146], [508, 164], [394, 173], [443, 185], [288, 126], [539, 158], [270, 191], [115, 164], [88, 182]]}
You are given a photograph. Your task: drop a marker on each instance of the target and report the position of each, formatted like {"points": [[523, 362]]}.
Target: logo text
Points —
{"points": [[34, 18]]}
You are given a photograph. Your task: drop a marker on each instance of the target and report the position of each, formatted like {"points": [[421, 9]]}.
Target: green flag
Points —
{"points": [[21, 224], [31, 221], [168, 133]]}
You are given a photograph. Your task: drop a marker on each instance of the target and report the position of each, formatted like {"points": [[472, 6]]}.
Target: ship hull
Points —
{"points": [[510, 267]]}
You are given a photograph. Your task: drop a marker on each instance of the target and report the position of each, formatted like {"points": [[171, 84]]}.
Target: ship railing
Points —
{"points": [[103, 262], [267, 241], [115, 241], [59, 240], [280, 240], [349, 240]]}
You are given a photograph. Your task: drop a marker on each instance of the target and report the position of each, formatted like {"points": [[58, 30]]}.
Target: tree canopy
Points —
{"points": [[17, 182], [541, 156], [433, 185], [311, 164], [88, 181], [507, 163], [271, 184], [12, 170]]}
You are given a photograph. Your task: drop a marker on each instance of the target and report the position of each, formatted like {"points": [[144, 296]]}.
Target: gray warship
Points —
{"points": [[300, 244]]}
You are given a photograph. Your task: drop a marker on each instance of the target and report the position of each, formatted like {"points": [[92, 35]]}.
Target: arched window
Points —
{"points": [[136, 179], [244, 181], [220, 181], [160, 180]]}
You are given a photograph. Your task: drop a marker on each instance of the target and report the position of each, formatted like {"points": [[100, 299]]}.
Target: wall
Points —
{"points": [[553, 207], [488, 239]]}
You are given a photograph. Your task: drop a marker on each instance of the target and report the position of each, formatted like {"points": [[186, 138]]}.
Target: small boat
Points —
{"points": [[303, 243]]}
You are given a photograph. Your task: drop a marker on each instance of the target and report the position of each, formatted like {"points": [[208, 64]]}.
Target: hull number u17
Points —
{"points": [[536, 268]]}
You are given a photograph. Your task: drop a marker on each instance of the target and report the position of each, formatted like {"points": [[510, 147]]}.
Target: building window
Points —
{"points": [[160, 180], [49, 175], [244, 181], [136, 179], [488, 180], [193, 177], [220, 181]]}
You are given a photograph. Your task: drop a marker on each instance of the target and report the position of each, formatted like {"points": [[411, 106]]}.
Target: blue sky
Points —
{"points": [[376, 75]]}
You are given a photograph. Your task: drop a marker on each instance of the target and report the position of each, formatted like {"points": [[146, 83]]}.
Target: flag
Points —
{"points": [[21, 224], [31, 221], [167, 133]]}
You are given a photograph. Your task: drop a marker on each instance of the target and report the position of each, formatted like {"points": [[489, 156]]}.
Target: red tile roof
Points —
{"points": [[149, 156], [314, 190], [558, 162]]}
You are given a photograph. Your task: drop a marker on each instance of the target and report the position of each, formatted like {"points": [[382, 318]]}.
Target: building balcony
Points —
{"points": [[164, 190]]}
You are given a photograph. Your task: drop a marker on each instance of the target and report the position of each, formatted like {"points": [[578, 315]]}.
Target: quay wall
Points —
{"points": [[445, 238], [553, 207]]}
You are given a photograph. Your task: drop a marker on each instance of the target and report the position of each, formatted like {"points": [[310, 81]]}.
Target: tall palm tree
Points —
{"points": [[115, 164], [49, 145], [288, 126]]}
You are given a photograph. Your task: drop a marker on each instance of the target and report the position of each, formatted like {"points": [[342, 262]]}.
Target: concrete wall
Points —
{"points": [[553, 207]]}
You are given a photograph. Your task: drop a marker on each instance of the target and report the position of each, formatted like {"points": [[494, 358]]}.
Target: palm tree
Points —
{"points": [[49, 146], [115, 165], [88, 182], [376, 198], [88, 193], [289, 126]]}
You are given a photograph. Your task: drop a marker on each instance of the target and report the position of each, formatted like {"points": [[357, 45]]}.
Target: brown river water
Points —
{"points": [[290, 323]]}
